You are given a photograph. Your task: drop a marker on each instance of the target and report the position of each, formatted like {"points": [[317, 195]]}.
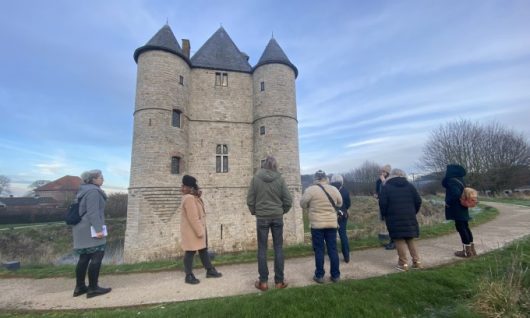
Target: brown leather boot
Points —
{"points": [[473, 251], [465, 252], [263, 286]]}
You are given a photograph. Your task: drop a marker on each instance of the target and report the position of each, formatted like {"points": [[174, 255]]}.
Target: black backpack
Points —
{"points": [[72, 216]]}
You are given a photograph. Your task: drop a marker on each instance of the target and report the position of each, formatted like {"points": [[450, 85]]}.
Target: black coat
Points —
{"points": [[454, 186], [399, 203]]}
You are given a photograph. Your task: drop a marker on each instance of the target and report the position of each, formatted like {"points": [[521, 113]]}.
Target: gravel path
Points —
{"points": [[512, 223]]}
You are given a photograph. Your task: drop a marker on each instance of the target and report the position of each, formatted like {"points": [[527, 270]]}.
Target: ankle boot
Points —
{"points": [[473, 251], [465, 252], [80, 290], [97, 291], [213, 273], [190, 279]]}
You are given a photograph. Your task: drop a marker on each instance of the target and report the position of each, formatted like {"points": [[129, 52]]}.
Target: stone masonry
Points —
{"points": [[253, 113]]}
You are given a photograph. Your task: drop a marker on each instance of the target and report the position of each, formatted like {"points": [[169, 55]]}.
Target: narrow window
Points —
{"points": [[221, 158], [262, 130], [262, 163], [175, 165], [181, 80], [175, 120], [262, 86], [225, 79], [217, 79]]}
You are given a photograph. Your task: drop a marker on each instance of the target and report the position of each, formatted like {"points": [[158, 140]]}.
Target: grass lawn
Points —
{"points": [[519, 201], [43, 271], [456, 290]]}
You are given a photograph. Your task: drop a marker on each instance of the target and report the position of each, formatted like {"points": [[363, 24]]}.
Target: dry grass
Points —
{"points": [[503, 292]]}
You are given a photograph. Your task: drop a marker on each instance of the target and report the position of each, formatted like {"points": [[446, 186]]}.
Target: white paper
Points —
{"points": [[93, 231]]}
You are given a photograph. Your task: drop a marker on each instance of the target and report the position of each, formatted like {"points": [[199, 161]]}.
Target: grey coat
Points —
{"points": [[93, 203]]}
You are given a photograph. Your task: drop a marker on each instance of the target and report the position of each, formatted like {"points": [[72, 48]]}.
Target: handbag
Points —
{"points": [[340, 213]]}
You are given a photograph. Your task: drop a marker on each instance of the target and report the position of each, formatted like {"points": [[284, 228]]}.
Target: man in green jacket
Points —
{"points": [[269, 199]]}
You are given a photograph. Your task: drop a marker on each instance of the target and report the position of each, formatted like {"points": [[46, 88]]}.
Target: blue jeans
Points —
{"points": [[262, 229], [344, 244], [329, 236]]}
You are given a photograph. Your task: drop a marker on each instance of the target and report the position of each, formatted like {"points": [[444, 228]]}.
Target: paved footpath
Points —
{"points": [[512, 223]]}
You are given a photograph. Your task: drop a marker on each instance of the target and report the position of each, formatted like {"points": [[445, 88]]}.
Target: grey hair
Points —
{"points": [[337, 178], [270, 163], [398, 173], [89, 176]]}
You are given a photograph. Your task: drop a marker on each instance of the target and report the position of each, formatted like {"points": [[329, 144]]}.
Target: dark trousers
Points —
{"points": [[344, 244], [188, 260], [329, 237], [92, 263], [262, 229], [465, 233]]}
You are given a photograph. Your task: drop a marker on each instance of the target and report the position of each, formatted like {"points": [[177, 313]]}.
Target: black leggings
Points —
{"points": [[465, 233], [188, 260], [92, 262]]}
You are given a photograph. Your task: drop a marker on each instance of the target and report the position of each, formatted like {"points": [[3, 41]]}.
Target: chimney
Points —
{"points": [[186, 47]]}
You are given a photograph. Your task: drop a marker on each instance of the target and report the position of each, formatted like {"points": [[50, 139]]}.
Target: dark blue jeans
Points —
{"points": [[344, 244], [329, 236], [262, 229]]}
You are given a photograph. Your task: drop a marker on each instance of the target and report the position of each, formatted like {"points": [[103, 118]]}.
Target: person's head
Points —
{"points": [[270, 163], [320, 176], [386, 170], [189, 185], [92, 177], [398, 173], [337, 178]]}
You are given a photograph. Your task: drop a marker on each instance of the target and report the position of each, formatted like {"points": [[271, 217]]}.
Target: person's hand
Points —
{"points": [[99, 235]]}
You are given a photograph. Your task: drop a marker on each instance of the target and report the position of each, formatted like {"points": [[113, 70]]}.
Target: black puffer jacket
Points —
{"points": [[399, 202], [454, 186]]}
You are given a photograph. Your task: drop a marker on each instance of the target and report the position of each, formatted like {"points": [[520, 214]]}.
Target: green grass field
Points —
{"points": [[455, 290]]}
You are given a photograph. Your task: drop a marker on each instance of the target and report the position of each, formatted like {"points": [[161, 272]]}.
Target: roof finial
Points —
{"points": [[167, 21], [272, 35]]}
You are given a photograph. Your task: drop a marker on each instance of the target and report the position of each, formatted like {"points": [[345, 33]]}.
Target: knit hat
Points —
{"points": [[337, 178], [386, 168], [189, 181], [320, 175]]}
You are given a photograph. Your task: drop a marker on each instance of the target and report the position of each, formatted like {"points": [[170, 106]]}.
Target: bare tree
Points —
{"points": [[4, 185], [116, 205], [362, 180], [494, 156], [34, 185]]}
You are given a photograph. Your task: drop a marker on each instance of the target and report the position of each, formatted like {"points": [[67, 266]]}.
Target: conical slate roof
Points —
{"points": [[274, 54], [163, 40], [220, 53]]}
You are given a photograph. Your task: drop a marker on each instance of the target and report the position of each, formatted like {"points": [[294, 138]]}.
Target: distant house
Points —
{"points": [[63, 190], [30, 209]]}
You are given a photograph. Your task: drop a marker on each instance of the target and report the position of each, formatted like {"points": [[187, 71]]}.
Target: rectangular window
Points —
{"points": [[221, 79], [262, 130], [221, 158], [175, 120], [175, 165], [262, 86], [262, 163], [181, 80]]}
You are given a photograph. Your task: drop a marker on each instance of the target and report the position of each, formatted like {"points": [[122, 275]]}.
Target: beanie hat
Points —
{"points": [[189, 181], [320, 175], [337, 178], [386, 168]]}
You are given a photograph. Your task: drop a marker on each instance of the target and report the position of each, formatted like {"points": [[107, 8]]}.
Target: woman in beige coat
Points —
{"points": [[193, 230]]}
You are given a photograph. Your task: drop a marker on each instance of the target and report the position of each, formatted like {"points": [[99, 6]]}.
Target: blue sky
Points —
{"points": [[375, 77]]}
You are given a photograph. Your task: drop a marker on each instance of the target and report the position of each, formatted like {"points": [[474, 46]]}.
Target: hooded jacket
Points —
{"points": [[454, 186], [268, 196], [92, 202], [399, 202]]}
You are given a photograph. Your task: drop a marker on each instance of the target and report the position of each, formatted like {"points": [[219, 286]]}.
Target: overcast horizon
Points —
{"points": [[375, 77]]}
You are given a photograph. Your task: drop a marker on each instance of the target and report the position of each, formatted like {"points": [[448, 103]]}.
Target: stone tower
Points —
{"points": [[215, 117]]}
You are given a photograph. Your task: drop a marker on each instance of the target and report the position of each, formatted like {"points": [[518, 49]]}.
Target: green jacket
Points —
{"points": [[268, 196]]}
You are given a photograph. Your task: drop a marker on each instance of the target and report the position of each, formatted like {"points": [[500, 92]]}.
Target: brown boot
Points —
{"points": [[263, 286], [473, 251], [465, 252]]}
